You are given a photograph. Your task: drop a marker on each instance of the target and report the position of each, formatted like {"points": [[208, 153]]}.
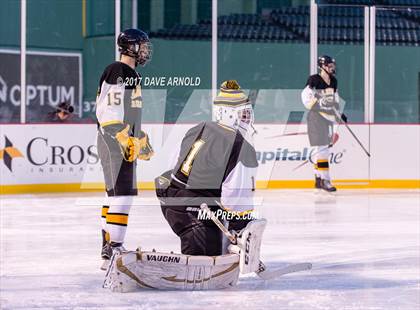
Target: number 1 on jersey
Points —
{"points": [[187, 164]]}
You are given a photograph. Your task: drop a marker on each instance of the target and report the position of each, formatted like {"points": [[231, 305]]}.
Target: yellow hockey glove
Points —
{"points": [[130, 146]]}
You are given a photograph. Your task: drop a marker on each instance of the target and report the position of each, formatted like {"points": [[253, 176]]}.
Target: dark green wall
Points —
{"points": [[97, 54], [54, 24], [100, 17], [172, 13], [143, 14], [255, 65], [275, 66], [50, 24], [10, 23], [397, 84]]}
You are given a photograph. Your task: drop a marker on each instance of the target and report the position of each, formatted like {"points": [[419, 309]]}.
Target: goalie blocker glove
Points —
{"points": [[248, 246]]}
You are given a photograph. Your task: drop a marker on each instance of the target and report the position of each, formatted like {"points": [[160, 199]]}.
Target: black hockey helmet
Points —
{"points": [[135, 43], [326, 60]]}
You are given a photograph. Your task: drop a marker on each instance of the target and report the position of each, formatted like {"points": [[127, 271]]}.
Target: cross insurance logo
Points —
{"points": [[9, 153]]}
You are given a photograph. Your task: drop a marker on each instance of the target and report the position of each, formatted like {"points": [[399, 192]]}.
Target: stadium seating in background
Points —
{"points": [[337, 24]]}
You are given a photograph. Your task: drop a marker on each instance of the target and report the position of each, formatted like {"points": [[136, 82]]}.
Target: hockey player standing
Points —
{"points": [[215, 165], [120, 138], [320, 97]]}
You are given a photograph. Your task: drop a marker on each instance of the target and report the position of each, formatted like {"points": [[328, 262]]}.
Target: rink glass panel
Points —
{"points": [[9, 39], [177, 82], [397, 70], [270, 61], [341, 35], [274, 69], [54, 29]]}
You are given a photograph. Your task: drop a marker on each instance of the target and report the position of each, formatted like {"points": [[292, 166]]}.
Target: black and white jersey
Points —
{"points": [[317, 82], [216, 161], [317, 85], [119, 98]]}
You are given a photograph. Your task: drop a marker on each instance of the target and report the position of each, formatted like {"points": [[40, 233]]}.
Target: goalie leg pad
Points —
{"points": [[249, 244], [152, 270]]}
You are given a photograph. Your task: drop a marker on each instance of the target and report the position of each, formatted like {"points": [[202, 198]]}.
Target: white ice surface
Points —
{"points": [[364, 246]]}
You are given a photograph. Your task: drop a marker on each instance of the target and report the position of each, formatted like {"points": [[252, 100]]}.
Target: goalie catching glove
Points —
{"points": [[132, 147]]}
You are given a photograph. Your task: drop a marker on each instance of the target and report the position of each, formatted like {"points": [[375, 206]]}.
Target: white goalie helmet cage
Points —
{"points": [[241, 117]]}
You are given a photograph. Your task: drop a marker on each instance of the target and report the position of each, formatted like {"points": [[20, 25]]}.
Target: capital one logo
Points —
{"points": [[9, 153]]}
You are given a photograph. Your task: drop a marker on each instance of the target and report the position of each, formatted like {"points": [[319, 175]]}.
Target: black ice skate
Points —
{"points": [[117, 248], [327, 186], [106, 251], [106, 254], [317, 182]]}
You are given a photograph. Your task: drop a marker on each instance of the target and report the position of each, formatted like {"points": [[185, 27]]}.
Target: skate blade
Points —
{"points": [[323, 192], [105, 264]]}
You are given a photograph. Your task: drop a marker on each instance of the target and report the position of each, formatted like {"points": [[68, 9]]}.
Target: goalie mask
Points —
{"points": [[233, 108], [135, 43]]}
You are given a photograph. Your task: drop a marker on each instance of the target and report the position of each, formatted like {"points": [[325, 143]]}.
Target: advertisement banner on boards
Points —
{"points": [[51, 78], [67, 154]]}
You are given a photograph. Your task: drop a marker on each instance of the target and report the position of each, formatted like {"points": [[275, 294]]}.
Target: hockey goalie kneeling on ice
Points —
{"points": [[214, 167], [134, 270]]}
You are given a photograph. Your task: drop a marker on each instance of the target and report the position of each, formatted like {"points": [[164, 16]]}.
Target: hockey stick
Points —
{"points": [[271, 274], [287, 135], [228, 234], [262, 271], [338, 116]]}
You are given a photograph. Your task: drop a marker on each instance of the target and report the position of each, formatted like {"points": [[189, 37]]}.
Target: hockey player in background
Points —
{"points": [[216, 165], [120, 138], [320, 97]]}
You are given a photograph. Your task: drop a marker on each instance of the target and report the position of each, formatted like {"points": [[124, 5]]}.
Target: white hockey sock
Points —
{"points": [[322, 162], [103, 217], [117, 217], [316, 172], [104, 211]]}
